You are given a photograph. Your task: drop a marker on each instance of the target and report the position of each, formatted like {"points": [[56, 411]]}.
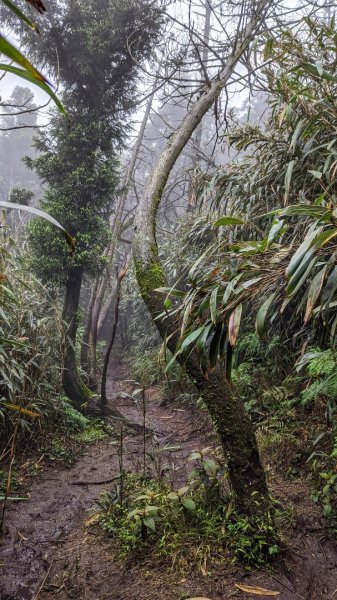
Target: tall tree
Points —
{"points": [[77, 158]]}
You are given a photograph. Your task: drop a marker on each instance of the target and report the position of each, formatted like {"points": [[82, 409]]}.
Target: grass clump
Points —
{"points": [[95, 430]]}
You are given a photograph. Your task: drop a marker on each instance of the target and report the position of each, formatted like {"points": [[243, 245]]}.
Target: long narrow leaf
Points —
{"points": [[15, 55], [39, 213], [15, 9], [29, 77], [234, 324], [262, 314], [314, 292]]}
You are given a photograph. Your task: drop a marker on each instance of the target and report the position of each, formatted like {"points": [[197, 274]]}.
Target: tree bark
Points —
{"points": [[86, 349], [120, 277], [73, 386], [110, 253], [227, 412]]}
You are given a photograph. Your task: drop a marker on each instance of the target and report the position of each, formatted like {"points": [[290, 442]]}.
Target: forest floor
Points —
{"points": [[48, 551]]}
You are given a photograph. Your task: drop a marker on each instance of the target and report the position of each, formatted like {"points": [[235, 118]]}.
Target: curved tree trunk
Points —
{"points": [[227, 412], [73, 386]]}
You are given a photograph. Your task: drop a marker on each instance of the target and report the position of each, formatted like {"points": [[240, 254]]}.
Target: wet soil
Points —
{"points": [[48, 552]]}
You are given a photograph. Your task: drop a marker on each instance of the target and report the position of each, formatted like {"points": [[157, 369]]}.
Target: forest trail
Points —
{"points": [[49, 553]]}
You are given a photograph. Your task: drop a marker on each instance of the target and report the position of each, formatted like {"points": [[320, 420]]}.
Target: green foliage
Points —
{"points": [[147, 514], [73, 421], [321, 368], [253, 539], [327, 495], [147, 367], [278, 267], [60, 453], [30, 345], [78, 157], [94, 430]]}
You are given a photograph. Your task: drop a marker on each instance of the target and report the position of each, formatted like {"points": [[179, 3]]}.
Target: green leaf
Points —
{"points": [[170, 292], [298, 210], [287, 178], [15, 55], [274, 231], [194, 267], [326, 236], [262, 314], [297, 258], [214, 347], [15, 9], [172, 496], [188, 503], [194, 456], [268, 49], [191, 338], [209, 465], [167, 303], [293, 289], [228, 221], [202, 339], [230, 288], [29, 77], [213, 305], [234, 324], [149, 523], [39, 213], [316, 174], [298, 130], [314, 292], [330, 287]]}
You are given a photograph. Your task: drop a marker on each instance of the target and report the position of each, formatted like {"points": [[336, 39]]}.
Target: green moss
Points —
{"points": [[149, 278]]}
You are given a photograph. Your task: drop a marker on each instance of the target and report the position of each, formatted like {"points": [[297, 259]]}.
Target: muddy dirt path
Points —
{"points": [[49, 553]]}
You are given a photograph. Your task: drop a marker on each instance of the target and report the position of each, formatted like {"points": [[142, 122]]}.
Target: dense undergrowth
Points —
{"points": [[291, 405], [30, 350], [192, 526]]}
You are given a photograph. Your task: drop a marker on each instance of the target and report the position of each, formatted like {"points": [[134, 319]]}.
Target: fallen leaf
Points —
{"points": [[256, 590], [93, 519]]}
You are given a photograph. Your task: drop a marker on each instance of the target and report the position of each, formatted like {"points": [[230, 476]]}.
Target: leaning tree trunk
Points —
{"points": [[227, 412], [73, 386]]}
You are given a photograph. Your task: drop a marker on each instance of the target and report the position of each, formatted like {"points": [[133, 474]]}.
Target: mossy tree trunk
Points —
{"points": [[227, 412], [229, 417], [73, 386]]}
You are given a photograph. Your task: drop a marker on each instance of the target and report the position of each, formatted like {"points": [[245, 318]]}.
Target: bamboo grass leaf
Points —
{"points": [[234, 324], [39, 213], [16, 56], [314, 292], [262, 315], [228, 221], [16, 10], [24, 74], [213, 305]]}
